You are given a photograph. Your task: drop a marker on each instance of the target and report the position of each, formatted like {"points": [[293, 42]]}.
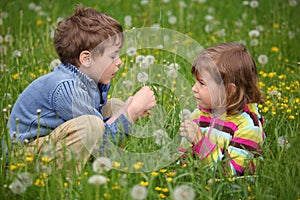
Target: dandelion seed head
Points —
{"points": [[172, 19], [139, 192], [17, 187], [254, 4], [131, 51], [262, 59], [25, 178], [253, 33], [161, 137], [102, 164], [54, 63], [184, 192], [142, 77], [97, 180]]}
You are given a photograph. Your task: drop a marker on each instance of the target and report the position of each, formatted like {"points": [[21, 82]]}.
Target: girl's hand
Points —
{"points": [[191, 131]]}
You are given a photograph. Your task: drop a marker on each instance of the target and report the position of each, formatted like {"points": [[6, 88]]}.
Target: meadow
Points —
{"points": [[147, 169]]}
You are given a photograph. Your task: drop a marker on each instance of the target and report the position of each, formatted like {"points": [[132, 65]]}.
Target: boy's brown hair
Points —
{"points": [[85, 30], [228, 64]]}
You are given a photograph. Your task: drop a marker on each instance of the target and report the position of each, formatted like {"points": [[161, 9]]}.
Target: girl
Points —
{"points": [[227, 124]]}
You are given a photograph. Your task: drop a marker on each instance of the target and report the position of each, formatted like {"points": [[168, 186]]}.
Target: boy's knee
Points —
{"points": [[93, 124]]}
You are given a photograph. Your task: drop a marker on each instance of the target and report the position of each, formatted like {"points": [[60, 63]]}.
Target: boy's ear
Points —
{"points": [[85, 58]]}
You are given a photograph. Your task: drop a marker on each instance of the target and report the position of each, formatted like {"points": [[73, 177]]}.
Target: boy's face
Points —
{"points": [[206, 91], [104, 67]]}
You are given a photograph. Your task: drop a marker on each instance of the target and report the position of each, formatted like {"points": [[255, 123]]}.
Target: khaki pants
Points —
{"points": [[75, 140]]}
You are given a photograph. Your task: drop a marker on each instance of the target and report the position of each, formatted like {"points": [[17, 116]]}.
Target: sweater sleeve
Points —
{"points": [[243, 147]]}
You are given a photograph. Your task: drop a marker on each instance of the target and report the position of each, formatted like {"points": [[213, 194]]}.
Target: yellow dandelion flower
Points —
{"points": [[157, 188], [171, 174], [116, 164], [29, 159], [207, 187], [282, 76], [108, 179], [46, 159], [39, 22], [144, 183], [85, 173], [291, 117], [44, 175], [162, 196], [230, 179], [123, 74], [158, 75], [274, 49], [265, 109], [154, 173], [33, 75], [162, 170], [78, 183], [184, 165], [115, 187], [106, 195], [21, 164], [169, 179], [213, 38], [249, 188], [165, 189], [12, 167], [39, 183], [138, 165], [15, 76], [108, 96], [66, 184], [276, 25]]}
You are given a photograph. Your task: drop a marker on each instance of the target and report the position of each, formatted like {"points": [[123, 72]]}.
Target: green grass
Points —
{"points": [[278, 173]]}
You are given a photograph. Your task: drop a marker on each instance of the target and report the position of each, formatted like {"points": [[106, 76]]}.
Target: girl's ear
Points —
{"points": [[85, 58], [232, 87]]}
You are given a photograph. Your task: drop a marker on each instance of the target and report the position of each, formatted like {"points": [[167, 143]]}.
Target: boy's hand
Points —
{"points": [[191, 131], [141, 103]]}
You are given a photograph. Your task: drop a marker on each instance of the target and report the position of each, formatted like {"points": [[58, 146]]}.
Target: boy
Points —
{"points": [[67, 106]]}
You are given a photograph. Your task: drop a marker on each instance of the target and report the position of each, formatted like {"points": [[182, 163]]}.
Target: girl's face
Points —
{"points": [[207, 92]]}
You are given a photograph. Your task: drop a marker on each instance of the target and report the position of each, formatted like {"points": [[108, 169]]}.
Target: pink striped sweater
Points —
{"points": [[237, 137]]}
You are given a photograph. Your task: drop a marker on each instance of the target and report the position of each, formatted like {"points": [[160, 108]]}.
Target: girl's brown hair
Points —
{"points": [[86, 29], [231, 64]]}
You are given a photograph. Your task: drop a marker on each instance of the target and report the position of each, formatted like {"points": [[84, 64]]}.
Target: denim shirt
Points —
{"points": [[61, 95]]}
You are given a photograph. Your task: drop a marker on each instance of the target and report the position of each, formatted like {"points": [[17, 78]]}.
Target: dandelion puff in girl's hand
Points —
{"points": [[139, 192], [185, 114], [142, 77], [184, 192], [97, 180], [102, 164]]}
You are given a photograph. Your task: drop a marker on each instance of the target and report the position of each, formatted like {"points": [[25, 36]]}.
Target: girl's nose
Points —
{"points": [[194, 88], [119, 62]]}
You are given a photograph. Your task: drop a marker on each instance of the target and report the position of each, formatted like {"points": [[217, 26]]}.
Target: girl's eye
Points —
{"points": [[201, 82]]}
